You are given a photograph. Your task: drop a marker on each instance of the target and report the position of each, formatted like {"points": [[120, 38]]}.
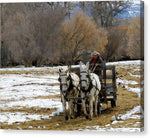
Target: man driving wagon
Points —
{"points": [[95, 62], [98, 66]]}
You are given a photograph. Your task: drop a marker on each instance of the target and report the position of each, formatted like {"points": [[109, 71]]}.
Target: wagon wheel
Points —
{"points": [[98, 108], [79, 108], [113, 103]]}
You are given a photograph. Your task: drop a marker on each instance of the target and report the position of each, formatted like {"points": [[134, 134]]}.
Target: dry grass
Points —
{"points": [[38, 97], [135, 85], [142, 100], [33, 110], [47, 84], [48, 97], [126, 101], [130, 123], [127, 77], [32, 71]]}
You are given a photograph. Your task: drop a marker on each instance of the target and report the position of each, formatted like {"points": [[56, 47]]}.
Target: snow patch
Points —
{"points": [[131, 62], [30, 127], [17, 87], [136, 76], [130, 113], [115, 122], [126, 81], [97, 128], [135, 90], [59, 110], [41, 103], [10, 118]]}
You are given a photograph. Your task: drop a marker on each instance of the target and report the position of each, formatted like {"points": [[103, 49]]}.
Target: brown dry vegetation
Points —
{"points": [[126, 101], [48, 84], [31, 110], [136, 38], [32, 71]]}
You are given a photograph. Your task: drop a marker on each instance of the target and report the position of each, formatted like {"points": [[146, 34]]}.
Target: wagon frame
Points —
{"points": [[109, 90]]}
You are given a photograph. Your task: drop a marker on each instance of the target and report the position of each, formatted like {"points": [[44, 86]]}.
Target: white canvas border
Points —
{"points": [[63, 134]]}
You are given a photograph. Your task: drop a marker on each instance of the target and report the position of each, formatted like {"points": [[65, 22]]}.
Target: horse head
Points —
{"points": [[64, 79], [84, 76]]}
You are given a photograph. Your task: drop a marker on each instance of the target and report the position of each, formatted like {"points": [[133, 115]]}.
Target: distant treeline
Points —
{"points": [[60, 33]]}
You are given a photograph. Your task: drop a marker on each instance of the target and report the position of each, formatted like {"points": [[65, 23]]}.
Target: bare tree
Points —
{"points": [[46, 28], [32, 36], [77, 35], [68, 8], [104, 11], [19, 39], [136, 38], [102, 41], [7, 11], [83, 5], [117, 41]]}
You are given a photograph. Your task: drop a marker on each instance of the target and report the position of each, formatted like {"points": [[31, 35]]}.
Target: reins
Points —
{"points": [[90, 85], [93, 68], [71, 86]]}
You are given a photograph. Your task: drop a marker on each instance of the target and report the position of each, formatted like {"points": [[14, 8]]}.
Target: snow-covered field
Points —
{"points": [[34, 90], [121, 118], [21, 90], [17, 87], [97, 128]]}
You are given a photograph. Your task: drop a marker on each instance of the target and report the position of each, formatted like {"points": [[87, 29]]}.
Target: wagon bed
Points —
{"points": [[108, 82]]}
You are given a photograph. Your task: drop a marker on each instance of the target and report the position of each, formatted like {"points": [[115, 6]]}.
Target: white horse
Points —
{"points": [[90, 88], [69, 87]]}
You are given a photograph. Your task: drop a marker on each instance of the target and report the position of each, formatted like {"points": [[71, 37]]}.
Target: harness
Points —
{"points": [[90, 86], [93, 68], [71, 86]]}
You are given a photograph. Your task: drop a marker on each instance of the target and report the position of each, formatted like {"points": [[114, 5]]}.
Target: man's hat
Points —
{"points": [[95, 53]]}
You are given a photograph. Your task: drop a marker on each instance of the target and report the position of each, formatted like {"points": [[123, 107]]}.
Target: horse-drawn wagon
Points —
{"points": [[107, 76], [104, 89]]}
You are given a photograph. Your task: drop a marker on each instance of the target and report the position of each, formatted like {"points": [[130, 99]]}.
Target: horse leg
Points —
{"points": [[75, 104], [83, 105], [95, 102], [69, 109], [75, 108], [64, 106], [91, 107]]}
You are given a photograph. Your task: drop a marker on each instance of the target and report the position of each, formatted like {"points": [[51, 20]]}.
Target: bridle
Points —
{"points": [[90, 83], [68, 78], [81, 75], [93, 68], [70, 86]]}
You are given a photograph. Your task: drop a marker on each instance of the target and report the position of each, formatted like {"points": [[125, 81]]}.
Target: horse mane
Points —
{"points": [[74, 78], [95, 80], [70, 85]]}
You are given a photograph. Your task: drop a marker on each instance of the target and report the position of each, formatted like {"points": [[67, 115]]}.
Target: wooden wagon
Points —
{"points": [[107, 76]]}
